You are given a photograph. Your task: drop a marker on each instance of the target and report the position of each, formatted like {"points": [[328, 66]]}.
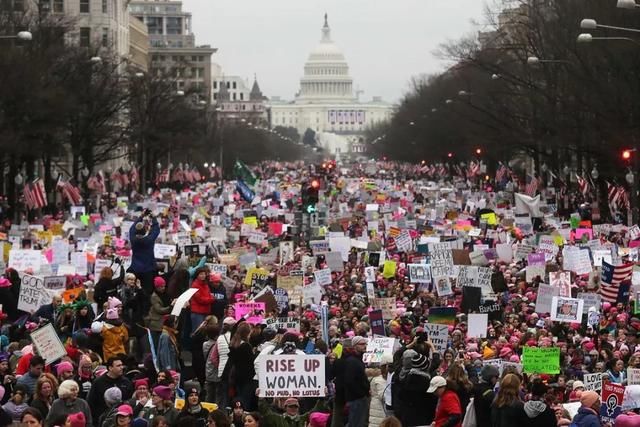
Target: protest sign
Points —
{"points": [[252, 312], [370, 274], [420, 273], [541, 360], [611, 407], [443, 286], [492, 309], [161, 251], [442, 315], [467, 276], [182, 300], [55, 284], [218, 268], [389, 269], [334, 261], [477, 325], [25, 259], [593, 382], [286, 252], [32, 294], [323, 277], [590, 300], [319, 246], [566, 309], [438, 335], [546, 293], [282, 299], [291, 375], [377, 322], [562, 281], [548, 247], [312, 293], [48, 344], [633, 376], [291, 324], [377, 347], [441, 259], [387, 305]]}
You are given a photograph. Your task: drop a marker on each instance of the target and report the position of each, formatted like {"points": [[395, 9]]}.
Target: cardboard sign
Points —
{"points": [[291, 324], [377, 322], [25, 259], [55, 284], [439, 336], [566, 309], [546, 293], [323, 277], [541, 360], [478, 325], [593, 382], [164, 251], [611, 407], [48, 344], [32, 294], [291, 375], [378, 347], [387, 305]]}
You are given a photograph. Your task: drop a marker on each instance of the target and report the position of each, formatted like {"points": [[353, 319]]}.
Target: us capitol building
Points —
{"points": [[326, 103]]}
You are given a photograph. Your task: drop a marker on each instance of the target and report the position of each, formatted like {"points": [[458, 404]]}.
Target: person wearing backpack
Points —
{"points": [[483, 395], [589, 413], [222, 350], [537, 412], [212, 362]]}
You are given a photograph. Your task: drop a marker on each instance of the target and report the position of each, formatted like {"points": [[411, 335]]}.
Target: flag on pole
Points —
{"points": [[69, 191], [28, 199], [583, 185], [501, 172], [243, 172], [244, 191], [474, 169], [611, 278], [532, 186]]}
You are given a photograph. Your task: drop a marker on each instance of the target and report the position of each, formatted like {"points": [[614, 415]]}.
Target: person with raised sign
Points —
{"points": [[143, 234]]}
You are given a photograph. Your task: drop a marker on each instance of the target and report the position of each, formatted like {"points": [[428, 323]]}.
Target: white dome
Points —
{"points": [[326, 51]]}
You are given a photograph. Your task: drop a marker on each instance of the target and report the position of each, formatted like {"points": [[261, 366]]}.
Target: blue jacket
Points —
{"points": [[143, 260], [586, 418], [167, 353]]}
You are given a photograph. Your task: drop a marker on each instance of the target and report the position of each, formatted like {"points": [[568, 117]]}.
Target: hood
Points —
{"points": [[533, 408]]}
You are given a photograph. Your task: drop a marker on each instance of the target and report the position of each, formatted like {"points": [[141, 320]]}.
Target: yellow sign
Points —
{"points": [[254, 272], [389, 270], [252, 220], [491, 218]]}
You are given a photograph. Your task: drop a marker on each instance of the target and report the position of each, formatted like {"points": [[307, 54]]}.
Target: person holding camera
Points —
{"points": [[143, 234]]}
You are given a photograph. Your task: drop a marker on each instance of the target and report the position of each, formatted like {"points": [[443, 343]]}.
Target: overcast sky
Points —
{"points": [[385, 42]]}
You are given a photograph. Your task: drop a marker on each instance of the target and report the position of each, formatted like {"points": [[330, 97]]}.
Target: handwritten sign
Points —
{"points": [[291, 375], [323, 277], [541, 360], [378, 347], [441, 259], [252, 312], [48, 344], [291, 324], [25, 259], [32, 294], [438, 335], [164, 251], [593, 382]]}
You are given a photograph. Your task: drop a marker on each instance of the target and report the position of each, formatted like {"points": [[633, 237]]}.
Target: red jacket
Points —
{"points": [[201, 301]]}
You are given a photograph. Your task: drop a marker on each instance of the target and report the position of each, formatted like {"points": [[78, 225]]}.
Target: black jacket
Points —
{"points": [[356, 383], [538, 414], [507, 416], [416, 406], [100, 385], [482, 399], [219, 292]]}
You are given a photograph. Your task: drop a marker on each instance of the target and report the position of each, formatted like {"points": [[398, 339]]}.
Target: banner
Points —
{"points": [[537, 360], [611, 407], [291, 375]]}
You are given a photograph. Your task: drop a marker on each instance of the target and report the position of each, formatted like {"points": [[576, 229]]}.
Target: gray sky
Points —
{"points": [[385, 42]]}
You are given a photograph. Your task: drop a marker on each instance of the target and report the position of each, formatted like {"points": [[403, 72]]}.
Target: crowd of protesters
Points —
{"points": [[135, 359]]}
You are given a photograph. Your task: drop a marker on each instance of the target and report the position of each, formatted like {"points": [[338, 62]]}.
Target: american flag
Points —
{"points": [[458, 170], [134, 176], [442, 170], [178, 175], [617, 197], [35, 195], [611, 279], [69, 191], [583, 185], [532, 186], [473, 170], [195, 173], [162, 177]]}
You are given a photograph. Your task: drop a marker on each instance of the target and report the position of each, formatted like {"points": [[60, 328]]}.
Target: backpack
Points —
{"points": [[212, 363]]}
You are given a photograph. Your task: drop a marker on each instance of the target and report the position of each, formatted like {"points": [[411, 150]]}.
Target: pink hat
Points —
{"points": [[506, 351], [514, 358], [163, 392], [77, 420], [114, 302], [4, 282], [112, 313], [141, 382], [158, 282], [588, 346], [64, 367], [318, 419], [125, 411]]}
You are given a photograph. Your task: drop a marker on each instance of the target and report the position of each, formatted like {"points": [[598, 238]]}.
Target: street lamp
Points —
{"points": [[495, 76], [95, 60], [592, 24], [180, 93], [449, 101], [206, 165], [534, 60], [588, 38], [22, 35]]}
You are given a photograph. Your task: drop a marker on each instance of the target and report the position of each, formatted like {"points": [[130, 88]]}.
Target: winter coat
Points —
{"points": [[508, 415], [219, 293], [482, 399], [416, 407], [143, 259], [223, 351], [170, 415], [61, 408], [538, 414], [356, 384], [15, 411], [376, 405], [586, 417], [156, 313], [202, 300], [106, 288], [115, 336]]}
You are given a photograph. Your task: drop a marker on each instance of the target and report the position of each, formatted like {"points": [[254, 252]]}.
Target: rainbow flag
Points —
{"points": [[442, 315]]}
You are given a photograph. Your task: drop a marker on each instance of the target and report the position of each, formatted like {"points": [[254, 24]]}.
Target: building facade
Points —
{"points": [[138, 44], [235, 100], [172, 46], [325, 101]]}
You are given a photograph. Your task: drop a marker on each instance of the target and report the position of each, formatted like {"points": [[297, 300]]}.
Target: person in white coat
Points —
{"points": [[378, 381], [222, 395]]}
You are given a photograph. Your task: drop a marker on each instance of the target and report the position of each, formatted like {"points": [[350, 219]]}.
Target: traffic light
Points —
{"points": [[310, 196]]}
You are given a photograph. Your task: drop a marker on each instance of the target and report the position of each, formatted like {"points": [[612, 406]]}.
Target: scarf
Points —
{"points": [[195, 409]]}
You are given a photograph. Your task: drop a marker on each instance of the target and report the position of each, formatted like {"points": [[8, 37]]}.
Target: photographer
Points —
{"points": [[143, 234], [107, 286]]}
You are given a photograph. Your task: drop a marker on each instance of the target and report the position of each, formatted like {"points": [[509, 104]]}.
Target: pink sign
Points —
{"points": [[582, 231], [252, 312]]}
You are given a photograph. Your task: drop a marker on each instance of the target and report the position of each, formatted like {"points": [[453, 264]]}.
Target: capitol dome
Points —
{"points": [[326, 73]]}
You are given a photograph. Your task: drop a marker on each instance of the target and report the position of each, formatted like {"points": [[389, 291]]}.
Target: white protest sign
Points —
{"points": [[420, 273], [218, 268], [548, 247], [590, 300], [25, 259], [592, 382], [291, 375], [79, 261], [477, 325], [48, 344], [182, 300], [505, 252], [257, 237], [370, 274], [633, 376], [441, 259], [164, 251], [291, 324], [56, 284], [377, 347], [467, 276], [545, 298], [59, 252], [438, 335], [634, 233], [312, 293], [32, 294], [566, 309], [323, 277]]}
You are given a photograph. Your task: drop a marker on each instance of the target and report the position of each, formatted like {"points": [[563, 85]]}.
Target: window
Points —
{"points": [[215, 96], [234, 85], [194, 58], [84, 6], [215, 84], [228, 85], [105, 37], [200, 58], [154, 24], [244, 107], [85, 36], [234, 96], [104, 6], [58, 6], [174, 25], [241, 96]]}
